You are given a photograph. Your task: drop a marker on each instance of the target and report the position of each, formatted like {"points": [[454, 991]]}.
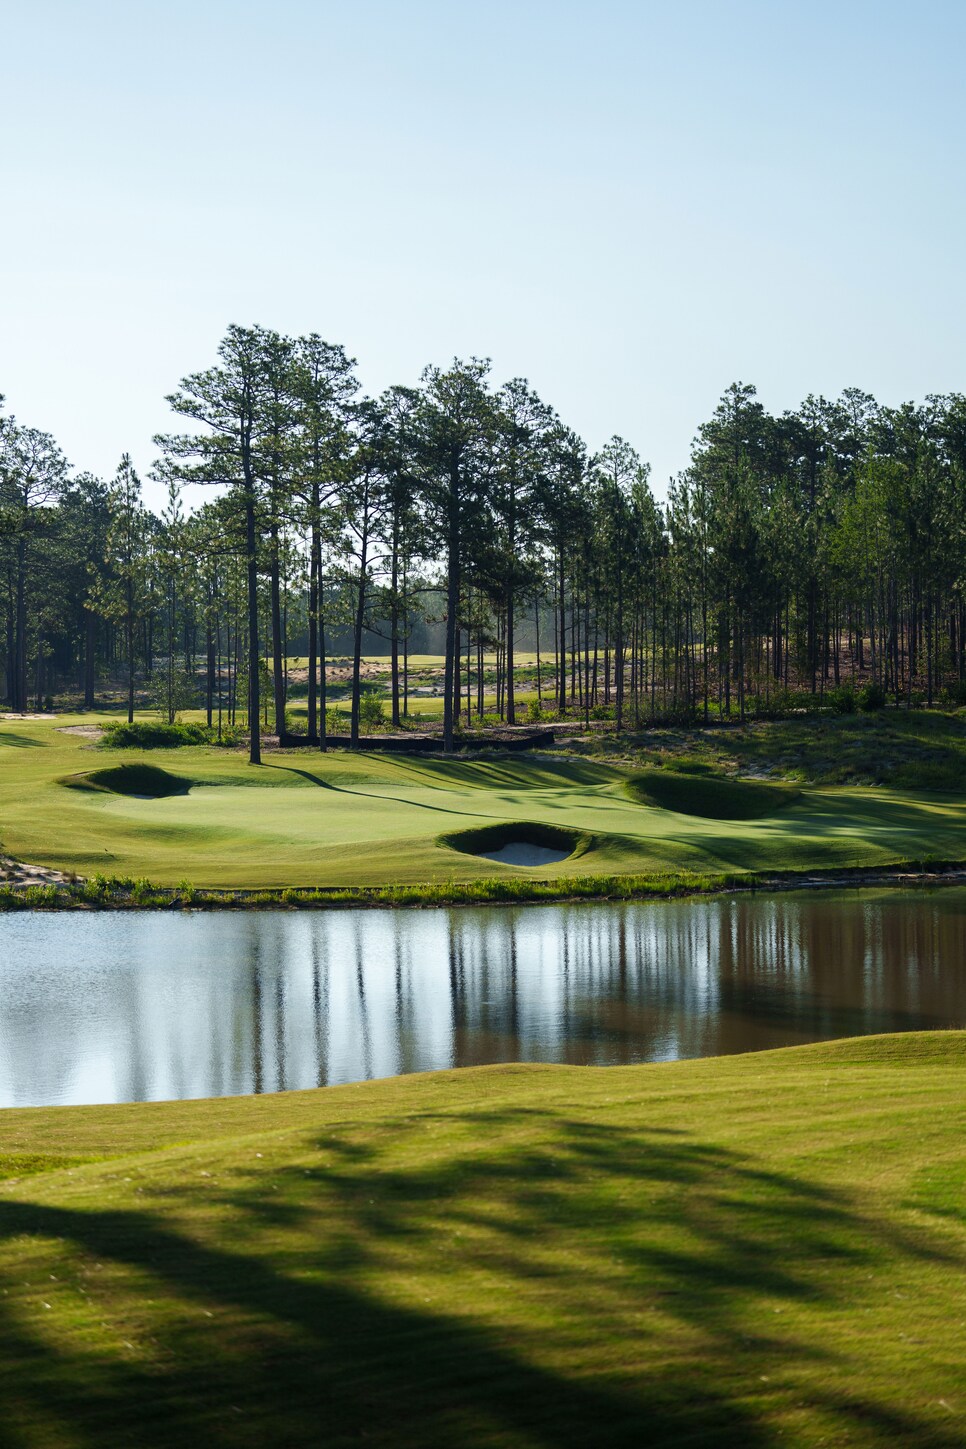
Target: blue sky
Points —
{"points": [[631, 204]]}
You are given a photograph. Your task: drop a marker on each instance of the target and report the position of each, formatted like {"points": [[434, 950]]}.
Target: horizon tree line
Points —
{"points": [[795, 557]]}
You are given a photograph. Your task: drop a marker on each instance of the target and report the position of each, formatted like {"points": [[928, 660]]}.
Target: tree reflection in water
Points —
{"points": [[132, 1007]]}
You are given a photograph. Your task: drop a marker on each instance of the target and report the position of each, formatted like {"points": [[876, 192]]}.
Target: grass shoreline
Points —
{"points": [[113, 894]]}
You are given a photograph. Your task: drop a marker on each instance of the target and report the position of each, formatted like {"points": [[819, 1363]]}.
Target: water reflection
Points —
{"points": [[106, 1008]]}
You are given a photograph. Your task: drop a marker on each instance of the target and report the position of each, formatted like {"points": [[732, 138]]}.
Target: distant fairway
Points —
{"points": [[306, 819]]}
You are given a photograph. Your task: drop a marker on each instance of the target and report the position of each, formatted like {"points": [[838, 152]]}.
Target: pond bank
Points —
{"points": [[27, 887]]}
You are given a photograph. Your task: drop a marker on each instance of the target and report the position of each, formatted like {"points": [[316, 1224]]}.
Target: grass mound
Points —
{"points": [[517, 832], [749, 1251], [713, 797], [136, 779]]}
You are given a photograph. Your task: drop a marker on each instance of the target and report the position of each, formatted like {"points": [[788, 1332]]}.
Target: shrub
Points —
{"points": [[842, 699], [953, 695], [602, 711], [154, 736], [781, 703], [231, 735], [371, 712], [871, 697], [40, 895]]}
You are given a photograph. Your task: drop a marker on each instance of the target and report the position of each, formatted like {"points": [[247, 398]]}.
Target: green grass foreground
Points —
{"points": [[749, 1251], [350, 821]]}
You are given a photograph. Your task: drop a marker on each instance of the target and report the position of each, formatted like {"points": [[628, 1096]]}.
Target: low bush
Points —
{"points": [[371, 711], [842, 699], [780, 703], [953, 696], [231, 735], [871, 697], [153, 735]]}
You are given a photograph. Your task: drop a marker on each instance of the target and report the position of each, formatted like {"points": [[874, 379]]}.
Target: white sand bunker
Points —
{"points": [[520, 852], [530, 843]]}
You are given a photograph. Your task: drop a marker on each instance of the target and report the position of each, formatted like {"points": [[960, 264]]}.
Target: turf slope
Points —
{"points": [[745, 1251]]}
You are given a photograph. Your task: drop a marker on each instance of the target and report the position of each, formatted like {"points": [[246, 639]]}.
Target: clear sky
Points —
{"points": [[631, 204]]}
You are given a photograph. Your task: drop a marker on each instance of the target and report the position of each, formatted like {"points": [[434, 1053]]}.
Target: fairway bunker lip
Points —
{"points": [[527, 843]]}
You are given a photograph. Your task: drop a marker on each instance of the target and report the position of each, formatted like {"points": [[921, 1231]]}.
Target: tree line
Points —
{"points": [[797, 557]]}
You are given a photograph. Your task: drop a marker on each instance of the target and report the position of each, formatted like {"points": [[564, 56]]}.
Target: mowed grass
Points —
{"points": [[305, 819], [745, 1251]]}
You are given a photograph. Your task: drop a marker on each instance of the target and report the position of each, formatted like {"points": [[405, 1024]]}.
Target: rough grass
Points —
{"points": [[713, 797], [346, 820], [913, 750], [745, 1251]]}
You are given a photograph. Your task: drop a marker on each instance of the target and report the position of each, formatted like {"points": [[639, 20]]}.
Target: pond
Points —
{"points": [[134, 1007]]}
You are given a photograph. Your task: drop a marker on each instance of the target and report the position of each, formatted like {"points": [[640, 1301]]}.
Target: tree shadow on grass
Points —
{"points": [[617, 1287], [824, 831], [17, 741]]}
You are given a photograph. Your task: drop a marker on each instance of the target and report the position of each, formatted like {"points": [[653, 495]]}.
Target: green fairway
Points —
{"points": [[306, 819], [744, 1251]]}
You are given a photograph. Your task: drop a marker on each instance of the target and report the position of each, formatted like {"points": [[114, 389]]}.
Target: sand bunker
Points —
{"points": [[521, 852], [515, 842]]}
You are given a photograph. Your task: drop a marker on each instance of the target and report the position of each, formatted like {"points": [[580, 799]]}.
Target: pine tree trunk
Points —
{"points": [[452, 607], [278, 670], [90, 646]]}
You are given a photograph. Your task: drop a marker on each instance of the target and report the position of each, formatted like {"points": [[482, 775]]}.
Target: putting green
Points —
{"points": [[367, 819]]}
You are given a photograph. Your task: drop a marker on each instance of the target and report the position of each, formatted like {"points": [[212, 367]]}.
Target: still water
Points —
{"points": [[116, 1008]]}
